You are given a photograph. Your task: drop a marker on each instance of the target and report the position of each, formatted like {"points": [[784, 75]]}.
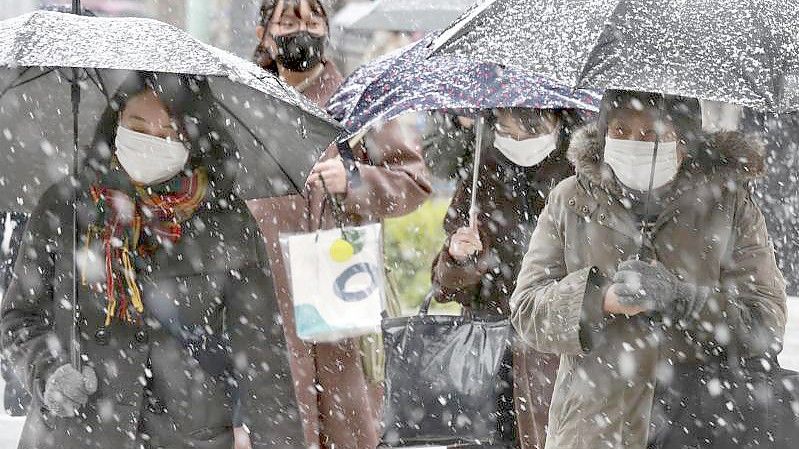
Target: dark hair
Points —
{"points": [[189, 101], [265, 13], [684, 113]]}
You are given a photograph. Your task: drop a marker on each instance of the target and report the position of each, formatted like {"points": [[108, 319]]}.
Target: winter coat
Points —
{"points": [[15, 398], [708, 233], [509, 198], [214, 280], [338, 405]]}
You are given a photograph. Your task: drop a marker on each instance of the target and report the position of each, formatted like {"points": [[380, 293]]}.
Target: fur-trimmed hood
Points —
{"points": [[725, 155]]}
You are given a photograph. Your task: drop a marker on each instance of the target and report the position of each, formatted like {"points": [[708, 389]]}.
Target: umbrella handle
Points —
{"points": [[479, 127]]}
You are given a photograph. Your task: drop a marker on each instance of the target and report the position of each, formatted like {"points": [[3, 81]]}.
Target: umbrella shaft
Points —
{"points": [[74, 334], [478, 152]]}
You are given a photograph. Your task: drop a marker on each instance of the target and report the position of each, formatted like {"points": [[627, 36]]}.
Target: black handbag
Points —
{"points": [[748, 403], [776, 404], [448, 380]]}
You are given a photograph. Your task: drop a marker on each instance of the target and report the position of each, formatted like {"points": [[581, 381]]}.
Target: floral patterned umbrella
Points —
{"points": [[407, 81]]}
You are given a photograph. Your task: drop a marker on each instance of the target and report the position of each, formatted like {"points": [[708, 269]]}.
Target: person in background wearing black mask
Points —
{"points": [[338, 393], [292, 36]]}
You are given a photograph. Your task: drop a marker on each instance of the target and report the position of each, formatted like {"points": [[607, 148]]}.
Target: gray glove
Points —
{"points": [[652, 286], [67, 390]]}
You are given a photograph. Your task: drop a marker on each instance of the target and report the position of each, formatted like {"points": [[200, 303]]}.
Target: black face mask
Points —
{"points": [[300, 51]]}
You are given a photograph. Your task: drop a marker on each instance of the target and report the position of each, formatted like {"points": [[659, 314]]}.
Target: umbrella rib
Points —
{"points": [[260, 142], [601, 43], [449, 35], [99, 83], [22, 83]]}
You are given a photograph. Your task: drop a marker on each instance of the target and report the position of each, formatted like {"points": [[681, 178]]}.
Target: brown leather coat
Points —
{"points": [[337, 404]]}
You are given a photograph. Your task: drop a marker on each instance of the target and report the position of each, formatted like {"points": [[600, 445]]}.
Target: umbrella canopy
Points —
{"points": [[411, 15], [724, 50], [408, 81], [278, 134]]}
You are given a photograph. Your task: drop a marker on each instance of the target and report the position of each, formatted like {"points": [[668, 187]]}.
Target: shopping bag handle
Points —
{"points": [[353, 174], [428, 299]]}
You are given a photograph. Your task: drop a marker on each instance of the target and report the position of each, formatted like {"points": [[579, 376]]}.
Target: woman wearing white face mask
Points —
{"points": [[172, 276], [643, 340], [523, 159]]}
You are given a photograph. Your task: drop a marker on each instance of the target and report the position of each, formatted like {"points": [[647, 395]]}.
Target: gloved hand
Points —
{"points": [[67, 390], [652, 286]]}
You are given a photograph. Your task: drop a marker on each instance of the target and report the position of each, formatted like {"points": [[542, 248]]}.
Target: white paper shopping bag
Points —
{"points": [[337, 282]]}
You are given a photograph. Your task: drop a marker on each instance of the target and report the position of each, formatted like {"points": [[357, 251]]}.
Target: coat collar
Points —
{"points": [[725, 161], [723, 157]]}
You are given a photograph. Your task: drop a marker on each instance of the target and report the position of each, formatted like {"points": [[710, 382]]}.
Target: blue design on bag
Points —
{"points": [[360, 295], [309, 320]]}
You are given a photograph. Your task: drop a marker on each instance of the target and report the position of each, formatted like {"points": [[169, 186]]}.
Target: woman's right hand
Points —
{"points": [[465, 243], [67, 390], [614, 307]]}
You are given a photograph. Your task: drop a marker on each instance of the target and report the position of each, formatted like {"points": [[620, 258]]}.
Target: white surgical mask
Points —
{"points": [[527, 152], [631, 162], [148, 159]]}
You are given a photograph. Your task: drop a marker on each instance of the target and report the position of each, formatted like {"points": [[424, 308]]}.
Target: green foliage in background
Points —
{"points": [[411, 244]]}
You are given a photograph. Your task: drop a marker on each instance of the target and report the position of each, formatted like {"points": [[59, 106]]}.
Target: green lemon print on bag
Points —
{"points": [[349, 244]]}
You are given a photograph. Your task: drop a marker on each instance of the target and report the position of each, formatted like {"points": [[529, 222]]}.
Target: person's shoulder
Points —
{"points": [[565, 190]]}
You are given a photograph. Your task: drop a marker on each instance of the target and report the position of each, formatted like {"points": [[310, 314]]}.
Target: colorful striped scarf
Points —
{"points": [[133, 229]]}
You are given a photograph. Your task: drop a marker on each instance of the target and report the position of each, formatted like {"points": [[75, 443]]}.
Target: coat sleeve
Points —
{"points": [[260, 357], [554, 310], [395, 181], [751, 288], [27, 321], [459, 281]]}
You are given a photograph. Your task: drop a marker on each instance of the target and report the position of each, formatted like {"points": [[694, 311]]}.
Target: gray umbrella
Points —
{"points": [[411, 15], [278, 134], [742, 52]]}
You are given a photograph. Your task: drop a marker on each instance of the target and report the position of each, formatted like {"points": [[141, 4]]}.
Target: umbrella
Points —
{"points": [[411, 15], [723, 50], [406, 80], [278, 135]]}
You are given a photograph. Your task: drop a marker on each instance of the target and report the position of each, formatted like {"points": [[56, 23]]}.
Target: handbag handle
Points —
{"points": [[428, 299]]}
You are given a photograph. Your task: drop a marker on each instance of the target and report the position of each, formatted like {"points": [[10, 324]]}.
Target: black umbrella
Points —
{"points": [[277, 133], [52, 62], [734, 51]]}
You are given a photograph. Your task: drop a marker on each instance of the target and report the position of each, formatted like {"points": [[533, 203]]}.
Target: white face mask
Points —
{"points": [[527, 152], [148, 159], [631, 162]]}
